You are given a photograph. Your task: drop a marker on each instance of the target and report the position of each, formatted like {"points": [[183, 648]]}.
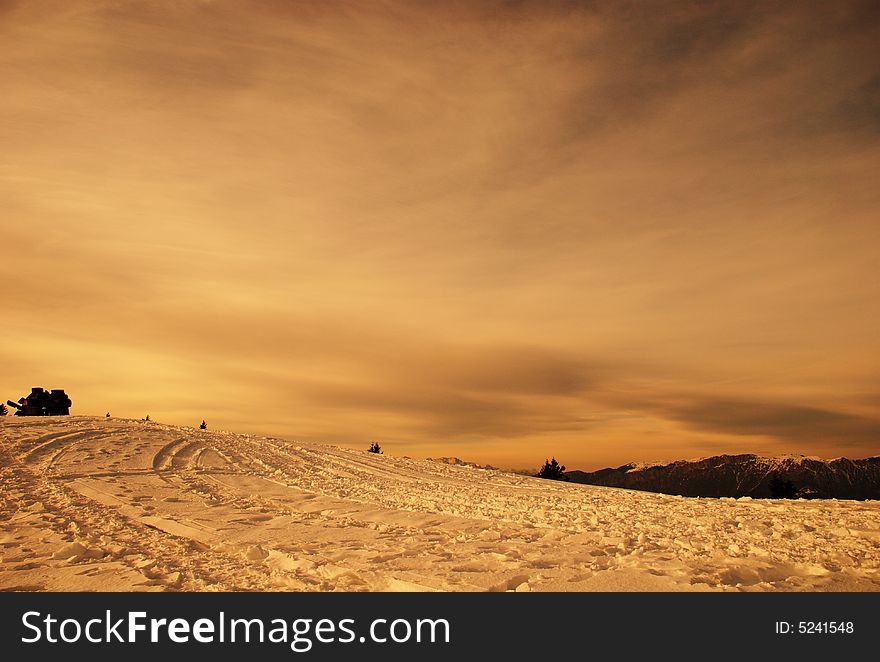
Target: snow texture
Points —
{"points": [[110, 504]]}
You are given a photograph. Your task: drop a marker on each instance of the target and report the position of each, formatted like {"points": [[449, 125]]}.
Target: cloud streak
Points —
{"points": [[796, 424], [609, 231]]}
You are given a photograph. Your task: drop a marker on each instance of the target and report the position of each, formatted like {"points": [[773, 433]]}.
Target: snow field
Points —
{"points": [[112, 504]]}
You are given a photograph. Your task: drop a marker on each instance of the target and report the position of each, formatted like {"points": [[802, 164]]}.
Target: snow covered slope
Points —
{"points": [[108, 504]]}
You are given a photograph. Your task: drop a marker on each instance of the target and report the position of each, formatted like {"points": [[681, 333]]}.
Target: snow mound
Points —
{"points": [[158, 507], [76, 551]]}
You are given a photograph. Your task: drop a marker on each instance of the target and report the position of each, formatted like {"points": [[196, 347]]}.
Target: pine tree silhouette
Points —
{"points": [[552, 470], [375, 448], [203, 426]]}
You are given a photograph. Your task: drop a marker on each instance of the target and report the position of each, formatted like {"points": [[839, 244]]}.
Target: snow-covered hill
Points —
{"points": [[745, 475], [107, 504]]}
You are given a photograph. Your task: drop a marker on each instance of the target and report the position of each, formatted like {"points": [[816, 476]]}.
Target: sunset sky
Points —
{"points": [[605, 231]]}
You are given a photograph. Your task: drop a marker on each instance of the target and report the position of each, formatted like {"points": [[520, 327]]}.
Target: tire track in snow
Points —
{"points": [[162, 458], [56, 444]]}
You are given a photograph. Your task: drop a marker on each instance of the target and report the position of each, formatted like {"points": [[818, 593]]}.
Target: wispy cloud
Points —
{"points": [[530, 225], [792, 423]]}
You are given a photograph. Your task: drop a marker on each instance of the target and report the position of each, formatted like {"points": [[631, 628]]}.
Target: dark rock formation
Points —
{"points": [[42, 403]]}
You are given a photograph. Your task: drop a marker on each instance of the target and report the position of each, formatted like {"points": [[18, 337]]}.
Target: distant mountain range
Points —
{"points": [[457, 461], [745, 475]]}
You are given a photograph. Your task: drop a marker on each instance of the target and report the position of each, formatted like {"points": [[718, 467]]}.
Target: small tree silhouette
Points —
{"points": [[203, 426], [781, 488], [552, 470], [148, 419], [107, 415], [375, 448], [3, 409]]}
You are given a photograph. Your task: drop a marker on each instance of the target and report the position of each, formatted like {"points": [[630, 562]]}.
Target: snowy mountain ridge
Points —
{"points": [[775, 460], [745, 475], [457, 461]]}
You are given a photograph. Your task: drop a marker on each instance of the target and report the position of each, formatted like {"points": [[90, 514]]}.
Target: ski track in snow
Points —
{"points": [[114, 504]]}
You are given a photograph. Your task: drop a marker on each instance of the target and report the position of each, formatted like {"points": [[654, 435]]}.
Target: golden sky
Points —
{"points": [[606, 231]]}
